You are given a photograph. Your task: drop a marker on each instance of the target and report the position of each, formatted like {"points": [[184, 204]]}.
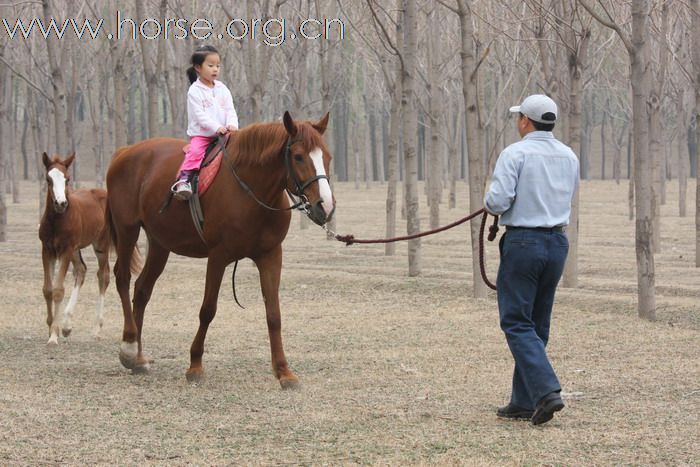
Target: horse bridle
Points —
{"points": [[303, 204]]}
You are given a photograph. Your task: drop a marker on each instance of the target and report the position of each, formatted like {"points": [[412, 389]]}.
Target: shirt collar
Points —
{"points": [[539, 135], [204, 86]]}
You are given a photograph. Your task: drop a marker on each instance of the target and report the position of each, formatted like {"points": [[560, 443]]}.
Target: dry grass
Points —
{"points": [[395, 370]]}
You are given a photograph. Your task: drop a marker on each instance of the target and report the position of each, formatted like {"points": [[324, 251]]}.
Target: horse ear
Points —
{"points": [[289, 124], [322, 124], [69, 160], [45, 159]]}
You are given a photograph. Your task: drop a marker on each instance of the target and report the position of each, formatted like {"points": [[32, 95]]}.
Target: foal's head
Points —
{"points": [[58, 176], [308, 164]]}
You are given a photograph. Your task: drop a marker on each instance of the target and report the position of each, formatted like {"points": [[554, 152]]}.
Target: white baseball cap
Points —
{"points": [[538, 108]]}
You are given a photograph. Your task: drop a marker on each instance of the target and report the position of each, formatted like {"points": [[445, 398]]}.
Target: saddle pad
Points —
{"points": [[208, 173], [210, 167]]}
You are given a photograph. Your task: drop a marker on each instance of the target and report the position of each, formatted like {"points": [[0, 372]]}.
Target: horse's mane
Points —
{"points": [[258, 143]]}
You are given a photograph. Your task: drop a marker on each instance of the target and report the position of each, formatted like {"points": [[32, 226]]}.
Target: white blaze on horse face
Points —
{"points": [[59, 185], [323, 186]]}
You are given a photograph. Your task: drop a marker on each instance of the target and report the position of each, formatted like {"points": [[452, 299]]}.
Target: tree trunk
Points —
{"points": [[433, 155], [410, 143], [641, 87], [695, 6], [474, 149], [151, 54], [57, 84], [576, 59], [4, 108]]}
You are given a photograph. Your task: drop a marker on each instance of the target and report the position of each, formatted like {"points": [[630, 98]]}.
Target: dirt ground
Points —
{"points": [[394, 370]]}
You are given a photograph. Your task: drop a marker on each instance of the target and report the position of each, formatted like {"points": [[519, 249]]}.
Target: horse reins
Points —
{"points": [[303, 203], [493, 230]]}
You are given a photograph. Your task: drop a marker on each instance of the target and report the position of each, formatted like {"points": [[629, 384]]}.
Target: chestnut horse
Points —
{"points": [[72, 220], [246, 215]]}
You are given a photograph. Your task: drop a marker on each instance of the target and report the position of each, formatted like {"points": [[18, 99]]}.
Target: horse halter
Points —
{"points": [[303, 203]]}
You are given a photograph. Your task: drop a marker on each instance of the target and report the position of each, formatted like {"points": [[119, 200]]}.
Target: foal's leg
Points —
{"points": [[126, 240], [79, 270], [215, 273], [58, 294], [49, 263], [155, 262], [102, 253], [270, 267]]}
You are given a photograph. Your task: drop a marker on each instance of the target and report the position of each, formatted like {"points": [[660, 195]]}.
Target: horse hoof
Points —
{"points": [[127, 361], [53, 341], [140, 369], [128, 354], [290, 382], [194, 375], [66, 332]]}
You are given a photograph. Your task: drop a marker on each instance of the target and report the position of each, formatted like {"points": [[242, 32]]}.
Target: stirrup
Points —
{"points": [[181, 190]]}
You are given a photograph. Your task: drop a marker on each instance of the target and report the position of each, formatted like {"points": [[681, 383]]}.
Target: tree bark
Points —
{"points": [[695, 6], [57, 84], [410, 137], [641, 90], [474, 149]]}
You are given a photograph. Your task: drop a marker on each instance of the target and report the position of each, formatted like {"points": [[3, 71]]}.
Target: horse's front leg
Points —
{"points": [[215, 273], [58, 294], [270, 268], [79, 270], [49, 264]]}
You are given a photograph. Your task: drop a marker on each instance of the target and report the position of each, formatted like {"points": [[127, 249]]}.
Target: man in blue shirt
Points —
{"points": [[532, 186]]}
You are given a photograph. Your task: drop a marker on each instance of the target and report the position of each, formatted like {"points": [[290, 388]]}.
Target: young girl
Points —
{"points": [[209, 111]]}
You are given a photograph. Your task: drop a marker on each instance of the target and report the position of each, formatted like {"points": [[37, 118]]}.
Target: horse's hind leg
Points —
{"points": [[79, 269], [126, 240], [215, 273], [155, 263], [57, 295], [102, 253], [49, 264], [270, 267]]}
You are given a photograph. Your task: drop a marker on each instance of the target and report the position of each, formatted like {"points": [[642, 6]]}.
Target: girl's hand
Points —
{"points": [[231, 128], [222, 131]]}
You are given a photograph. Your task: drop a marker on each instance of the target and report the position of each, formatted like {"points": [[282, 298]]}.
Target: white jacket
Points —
{"points": [[209, 109]]}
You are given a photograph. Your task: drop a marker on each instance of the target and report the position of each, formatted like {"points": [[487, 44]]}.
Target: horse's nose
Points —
{"points": [[318, 214], [61, 205]]}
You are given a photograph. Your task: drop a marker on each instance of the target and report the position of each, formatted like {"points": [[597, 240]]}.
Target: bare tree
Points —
{"points": [[410, 123], [477, 180], [639, 53], [695, 14], [60, 110], [152, 58]]}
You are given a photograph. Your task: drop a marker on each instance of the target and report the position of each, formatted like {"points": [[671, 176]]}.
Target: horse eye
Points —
{"points": [[298, 158]]}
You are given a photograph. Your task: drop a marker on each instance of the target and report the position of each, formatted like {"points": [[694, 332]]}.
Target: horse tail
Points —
{"points": [[136, 262]]}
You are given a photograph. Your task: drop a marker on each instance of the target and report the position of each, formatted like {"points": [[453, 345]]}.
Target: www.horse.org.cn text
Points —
{"points": [[272, 32]]}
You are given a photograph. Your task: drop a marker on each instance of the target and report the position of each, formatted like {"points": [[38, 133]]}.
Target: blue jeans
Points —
{"points": [[532, 263]]}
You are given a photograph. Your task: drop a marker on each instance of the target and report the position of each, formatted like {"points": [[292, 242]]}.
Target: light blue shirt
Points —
{"points": [[534, 182]]}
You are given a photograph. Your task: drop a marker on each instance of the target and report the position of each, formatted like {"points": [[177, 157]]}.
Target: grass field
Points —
{"points": [[394, 370]]}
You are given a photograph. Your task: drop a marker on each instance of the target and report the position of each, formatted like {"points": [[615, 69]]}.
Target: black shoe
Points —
{"points": [[545, 408], [514, 412]]}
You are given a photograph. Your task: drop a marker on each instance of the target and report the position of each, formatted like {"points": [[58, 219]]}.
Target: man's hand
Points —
{"points": [[222, 130], [231, 128]]}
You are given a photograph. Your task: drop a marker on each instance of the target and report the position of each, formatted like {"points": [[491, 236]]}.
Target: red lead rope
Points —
{"points": [[493, 230]]}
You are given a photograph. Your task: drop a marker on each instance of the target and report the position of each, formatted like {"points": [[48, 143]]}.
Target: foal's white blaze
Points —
{"points": [[59, 185], [323, 185]]}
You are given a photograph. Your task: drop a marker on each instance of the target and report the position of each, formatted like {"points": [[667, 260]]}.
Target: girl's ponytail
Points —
{"points": [[191, 74]]}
